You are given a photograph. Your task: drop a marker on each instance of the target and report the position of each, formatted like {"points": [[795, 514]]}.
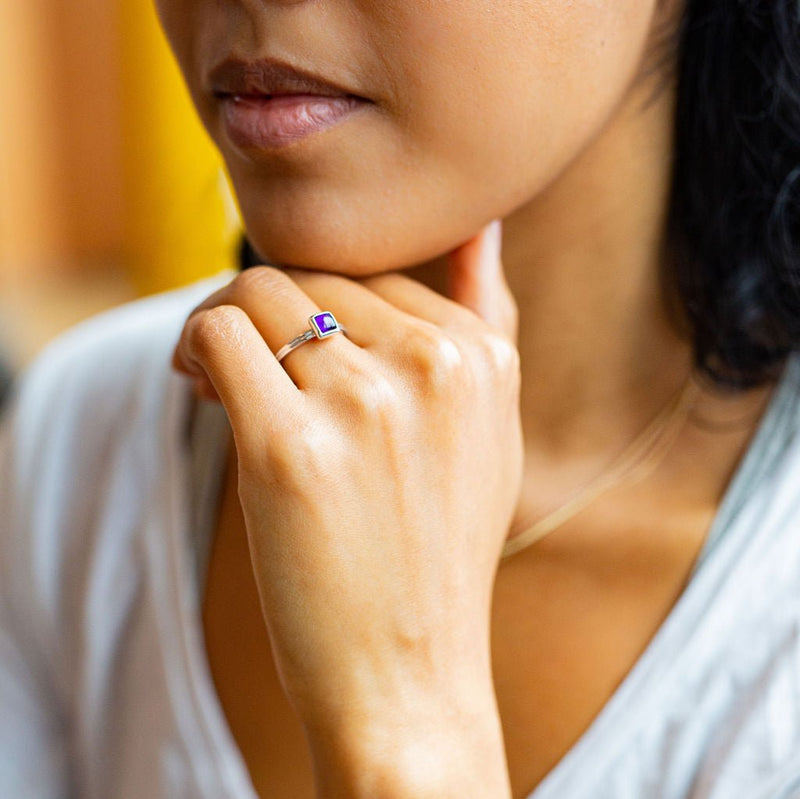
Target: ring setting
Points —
{"points": [[321, 325]]}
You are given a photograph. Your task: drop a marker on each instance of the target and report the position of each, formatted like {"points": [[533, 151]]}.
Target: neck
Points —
{"points": [[584, 259]]}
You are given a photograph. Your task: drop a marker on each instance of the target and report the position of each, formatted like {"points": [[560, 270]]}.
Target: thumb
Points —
{"points": [[476, 280]]}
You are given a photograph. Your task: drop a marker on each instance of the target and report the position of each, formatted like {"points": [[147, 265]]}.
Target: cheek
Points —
{"points": [[516, 97], [200, 33], [176, 21]]}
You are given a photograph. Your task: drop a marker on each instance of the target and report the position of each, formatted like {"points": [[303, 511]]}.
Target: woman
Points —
{"points": [[526, 526]]}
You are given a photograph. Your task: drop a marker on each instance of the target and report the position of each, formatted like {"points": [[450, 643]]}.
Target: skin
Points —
{"points": [[544, 363], [449, 90]]}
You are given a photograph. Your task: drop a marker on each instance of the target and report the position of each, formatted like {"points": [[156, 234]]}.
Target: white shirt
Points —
{"points": [[105, 691]]}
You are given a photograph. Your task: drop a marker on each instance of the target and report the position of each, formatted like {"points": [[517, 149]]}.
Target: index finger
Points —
{"points": [[223, 344]]}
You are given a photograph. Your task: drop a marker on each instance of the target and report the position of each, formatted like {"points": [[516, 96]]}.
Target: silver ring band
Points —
{"points": [[321, 325]]}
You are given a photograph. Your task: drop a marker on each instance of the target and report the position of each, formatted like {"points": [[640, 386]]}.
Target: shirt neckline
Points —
{"points": [[626, 705]]}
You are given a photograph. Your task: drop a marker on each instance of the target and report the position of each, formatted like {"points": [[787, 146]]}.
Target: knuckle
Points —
{"points": [[378, 398], [311, 452], [214, 327], [436, 357], [500, 355], [369, 396]]}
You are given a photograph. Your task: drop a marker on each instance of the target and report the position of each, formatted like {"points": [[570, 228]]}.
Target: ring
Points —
{"points": [[322, 325]]}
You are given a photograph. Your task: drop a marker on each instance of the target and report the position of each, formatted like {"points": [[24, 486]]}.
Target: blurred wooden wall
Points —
{"points": [[106, 176]]}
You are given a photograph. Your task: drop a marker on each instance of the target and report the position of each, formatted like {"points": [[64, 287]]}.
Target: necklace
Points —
{"points": [[639, 460]]}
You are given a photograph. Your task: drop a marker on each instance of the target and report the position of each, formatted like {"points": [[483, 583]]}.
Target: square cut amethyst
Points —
{"points": [[324, 324]]}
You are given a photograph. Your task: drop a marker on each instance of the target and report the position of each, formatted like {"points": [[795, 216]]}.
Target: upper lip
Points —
{"points": [[268, 77]]}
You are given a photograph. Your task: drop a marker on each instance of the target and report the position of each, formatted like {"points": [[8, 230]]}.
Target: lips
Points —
{"points": [[268, 105], [268, 77]]}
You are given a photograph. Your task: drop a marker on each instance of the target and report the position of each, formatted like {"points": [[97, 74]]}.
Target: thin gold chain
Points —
{"points": [[639, 460]]}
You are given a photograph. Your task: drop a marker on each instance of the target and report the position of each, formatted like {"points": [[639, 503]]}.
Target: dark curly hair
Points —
{"points": [[734, 216], [733, 231]]}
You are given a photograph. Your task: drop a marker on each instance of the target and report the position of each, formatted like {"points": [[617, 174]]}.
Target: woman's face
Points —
{"points": [[470, 108]]}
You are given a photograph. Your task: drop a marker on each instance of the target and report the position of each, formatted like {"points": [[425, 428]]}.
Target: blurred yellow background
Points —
{"points": [[109, 186]]}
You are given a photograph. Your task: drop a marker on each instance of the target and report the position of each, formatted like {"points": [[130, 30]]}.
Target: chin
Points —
{"points": [[361, 252], [358, 231], [322, 255]]}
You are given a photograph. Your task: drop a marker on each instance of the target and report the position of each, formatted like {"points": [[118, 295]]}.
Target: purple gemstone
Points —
{"points": [[324, 323]]}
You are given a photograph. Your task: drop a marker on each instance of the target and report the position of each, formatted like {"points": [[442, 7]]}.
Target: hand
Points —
{"points": [[378, 476]]}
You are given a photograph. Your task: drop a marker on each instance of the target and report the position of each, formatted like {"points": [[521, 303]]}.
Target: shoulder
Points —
{"points": [[100, 378], [763, 497], [775, 447], [112, 351], [84, 449]]}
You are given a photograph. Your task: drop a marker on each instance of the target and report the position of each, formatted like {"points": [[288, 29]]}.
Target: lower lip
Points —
{"points": [[260, 122]]}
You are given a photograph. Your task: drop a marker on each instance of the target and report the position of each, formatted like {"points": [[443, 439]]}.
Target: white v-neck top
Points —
{"points": [[109, 484]]}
